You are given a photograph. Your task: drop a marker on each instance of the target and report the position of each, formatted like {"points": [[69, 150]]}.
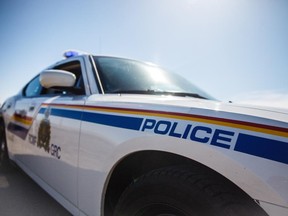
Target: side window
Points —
{"points": [[75, 68], [33, 88]]}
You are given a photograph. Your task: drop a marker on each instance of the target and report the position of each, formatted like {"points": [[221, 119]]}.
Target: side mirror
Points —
{"points": [[57, 78]]}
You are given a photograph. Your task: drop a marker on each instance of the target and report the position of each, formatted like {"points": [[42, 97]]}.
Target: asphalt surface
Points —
{"points": [[19, 195]]}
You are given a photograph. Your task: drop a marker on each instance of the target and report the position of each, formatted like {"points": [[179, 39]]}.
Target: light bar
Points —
{"points": [[69, 54]]}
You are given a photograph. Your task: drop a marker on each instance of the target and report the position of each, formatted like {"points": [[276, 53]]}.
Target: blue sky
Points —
{"points": [[233, 49]]}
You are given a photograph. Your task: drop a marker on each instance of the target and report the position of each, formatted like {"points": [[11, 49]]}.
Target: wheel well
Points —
{"points": [[137, 164]]}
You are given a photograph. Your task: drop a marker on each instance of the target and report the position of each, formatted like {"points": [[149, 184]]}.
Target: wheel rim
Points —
{"points": [[159, 209]]}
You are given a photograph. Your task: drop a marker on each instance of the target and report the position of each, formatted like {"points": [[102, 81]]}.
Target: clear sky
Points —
{"points": [[233, 49]]}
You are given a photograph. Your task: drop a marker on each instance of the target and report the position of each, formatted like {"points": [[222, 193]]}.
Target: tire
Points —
{"points": [[180, 191], [4, 157]]}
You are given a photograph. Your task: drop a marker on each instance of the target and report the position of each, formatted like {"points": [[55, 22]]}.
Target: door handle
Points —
{"points": [[31, 108]]}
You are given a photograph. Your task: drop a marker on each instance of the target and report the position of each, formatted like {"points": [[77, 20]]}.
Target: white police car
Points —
{"points": [[112, 136]]}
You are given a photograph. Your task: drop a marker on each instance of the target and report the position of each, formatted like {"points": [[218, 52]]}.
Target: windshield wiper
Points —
{"points": [[154, 92], [186, 94]]}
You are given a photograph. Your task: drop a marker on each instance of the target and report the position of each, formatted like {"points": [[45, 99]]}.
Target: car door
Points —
{"points": [[52, 143], [25, 111]]}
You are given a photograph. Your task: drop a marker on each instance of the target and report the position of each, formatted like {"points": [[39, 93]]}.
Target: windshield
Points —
{"points": [[129, 76]]}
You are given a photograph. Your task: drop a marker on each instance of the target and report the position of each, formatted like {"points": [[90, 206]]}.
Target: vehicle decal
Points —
{"points": [[20, 125], [126, 122], [104, 119], [250, 126], [44, 132], [73, 114], [18, 130], [262, 147], [27, 121], [202, 129]]}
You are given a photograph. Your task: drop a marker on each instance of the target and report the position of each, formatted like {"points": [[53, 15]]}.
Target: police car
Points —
{"points": [[118, 137]]}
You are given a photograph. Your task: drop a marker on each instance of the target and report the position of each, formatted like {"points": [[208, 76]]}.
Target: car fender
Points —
{"points": [[222, 161]]}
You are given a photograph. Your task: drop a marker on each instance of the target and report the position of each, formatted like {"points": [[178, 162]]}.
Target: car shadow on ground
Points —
{"points": [[19, 195]]}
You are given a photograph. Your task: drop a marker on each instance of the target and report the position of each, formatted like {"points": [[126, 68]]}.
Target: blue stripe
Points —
{"points": [[63, 113], [263, 147], [66, 113], [42, 110], [18, 130], [131, 123]]}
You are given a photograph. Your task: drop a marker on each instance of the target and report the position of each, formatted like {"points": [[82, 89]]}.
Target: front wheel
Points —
{"points": [[180, 191], [4, 158]]}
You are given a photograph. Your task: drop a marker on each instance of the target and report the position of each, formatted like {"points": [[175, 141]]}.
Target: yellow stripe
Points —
{"points": [[22, 120]]}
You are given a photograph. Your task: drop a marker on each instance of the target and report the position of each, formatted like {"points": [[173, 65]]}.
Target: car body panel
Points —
{"points": [[71, 144]]}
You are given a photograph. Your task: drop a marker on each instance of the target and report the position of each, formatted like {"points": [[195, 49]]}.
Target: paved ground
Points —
{"points": [[19, 195]]}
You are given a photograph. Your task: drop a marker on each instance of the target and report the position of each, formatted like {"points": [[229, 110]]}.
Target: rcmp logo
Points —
{"points": [[44, 132]]}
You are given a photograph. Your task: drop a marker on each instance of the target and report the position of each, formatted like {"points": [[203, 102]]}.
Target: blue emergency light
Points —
{"points": [[69, 54]]}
